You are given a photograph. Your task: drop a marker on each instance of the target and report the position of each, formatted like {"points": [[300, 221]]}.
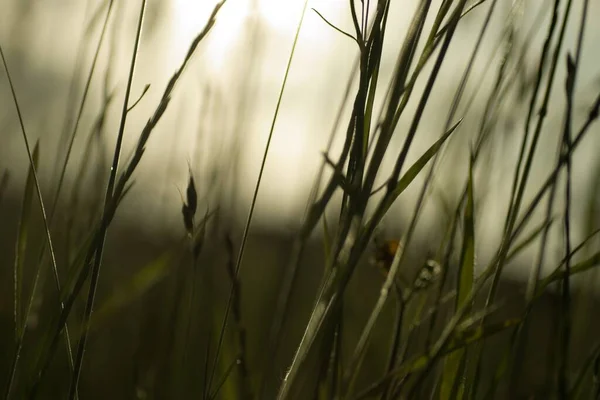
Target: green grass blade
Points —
{"points": [[21, 245], [108, 196], [416, 168], [46, 230], [455, 364], [255, 195], [577, 268]]}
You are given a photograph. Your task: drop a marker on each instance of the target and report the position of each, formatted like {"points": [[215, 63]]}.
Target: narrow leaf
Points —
{"points": [[455, 366], [416, 168], [558, 274], [21, 244]]}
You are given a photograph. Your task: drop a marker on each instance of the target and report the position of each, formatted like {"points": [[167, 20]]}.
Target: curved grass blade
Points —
{"points": [[336, 28], [416, 168], [254, 198]]}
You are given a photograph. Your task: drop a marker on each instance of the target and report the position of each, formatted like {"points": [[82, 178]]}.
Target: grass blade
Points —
{"points": [[21, 245], [46, 229], [104, 226], [452, 365], [254, 198], [416, 168]]}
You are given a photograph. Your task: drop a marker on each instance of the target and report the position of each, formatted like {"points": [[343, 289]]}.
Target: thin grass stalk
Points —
{"points": [[121, 188], [254, 197], [457, 373], [451, 114], [532, 104], [395, 347], [506, 80], [565, 337], [321, 312], [520, 332], [289, 277], [348, 254], [46, 231], [20, 252], [355, 245], [440, 348], [21, 245], [71, 139], [352, 205], [592, 117], [236, 310], [445, 269], [432, 44], [72, 93], [398, 258], [79, 182], [222, 381], [424, 362], [476, 151], [393, 106], [329, 368], [489, 270], [421, 107], [362, 109], [108, 197], [516, 205], [41, 259]]}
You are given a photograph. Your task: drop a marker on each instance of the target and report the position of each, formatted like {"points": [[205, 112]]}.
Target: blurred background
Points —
{"points": [[217, 126]]}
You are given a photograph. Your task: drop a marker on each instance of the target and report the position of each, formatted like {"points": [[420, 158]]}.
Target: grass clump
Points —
{"points": [[438, 325]]}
